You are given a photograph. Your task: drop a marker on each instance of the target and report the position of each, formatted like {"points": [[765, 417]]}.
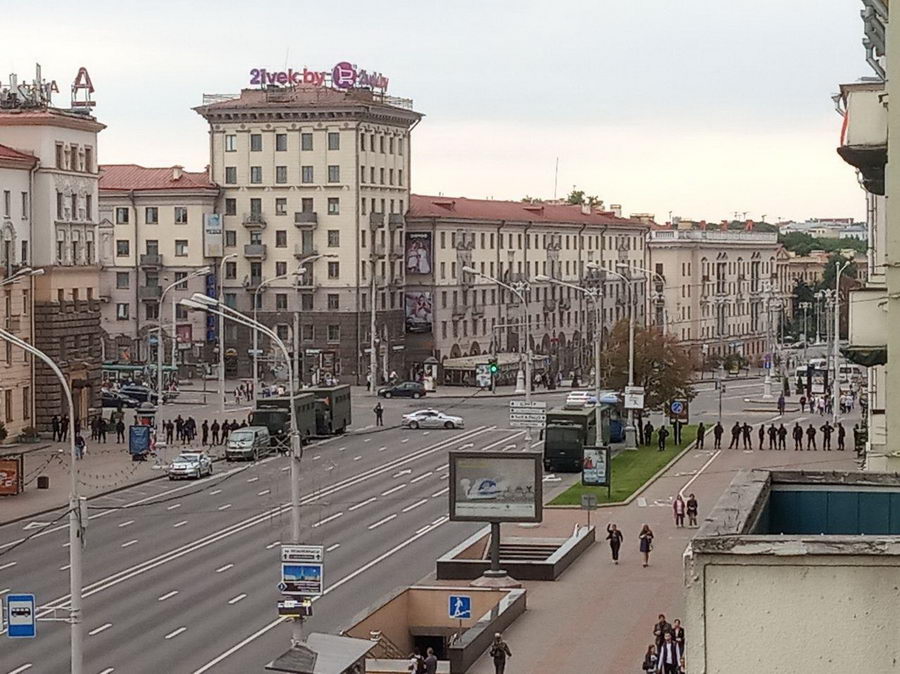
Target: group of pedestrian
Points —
{"points": [[180, 430], [243, 392], [60, 427], [680, 508], [666, 654], [662, 434], [823, 404], [427, 664], [775, 438], [645, 542]]}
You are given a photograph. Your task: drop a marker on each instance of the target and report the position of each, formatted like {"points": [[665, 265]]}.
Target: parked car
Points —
{"points": [[190, 464], [431, 419], [140, 393], [406, 389], [580, 399], [115, 399], [248, 443]]}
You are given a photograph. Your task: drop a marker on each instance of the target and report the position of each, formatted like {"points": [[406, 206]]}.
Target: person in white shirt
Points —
{"points": [[669, 656]]}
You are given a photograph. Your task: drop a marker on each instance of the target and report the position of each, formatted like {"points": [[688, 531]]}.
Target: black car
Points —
{"points": [[115, 399], [140, 393], [406, 389]]}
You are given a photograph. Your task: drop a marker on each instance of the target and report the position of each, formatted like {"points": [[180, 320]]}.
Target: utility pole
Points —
{"points": [[836, 386], [805, 307]]}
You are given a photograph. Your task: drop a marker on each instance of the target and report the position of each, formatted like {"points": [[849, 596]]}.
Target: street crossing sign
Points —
{"points": [[634, 398], [459, 607], [21, 621]]}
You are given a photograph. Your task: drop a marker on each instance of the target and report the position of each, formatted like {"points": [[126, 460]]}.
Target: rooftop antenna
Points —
{"points": [[555, 178]]}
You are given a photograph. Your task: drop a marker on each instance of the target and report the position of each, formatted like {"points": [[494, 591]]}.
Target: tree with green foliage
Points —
{"points": [[578, 197], [803, 244], [828, 275]]}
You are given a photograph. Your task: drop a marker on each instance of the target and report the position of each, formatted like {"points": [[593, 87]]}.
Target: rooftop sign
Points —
{"points": [[344, 75]]}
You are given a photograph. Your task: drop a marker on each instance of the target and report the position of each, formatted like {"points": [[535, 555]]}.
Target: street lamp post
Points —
{"points": [[805, 306], [222, 332], [649, 274], [76, 539], [836, 387], [202, 302]]}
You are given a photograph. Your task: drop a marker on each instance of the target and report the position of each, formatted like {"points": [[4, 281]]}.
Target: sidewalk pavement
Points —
{"points": [[598, 617]]}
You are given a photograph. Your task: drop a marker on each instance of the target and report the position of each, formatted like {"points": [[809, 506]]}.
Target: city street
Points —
{"points": [[188, 571]]}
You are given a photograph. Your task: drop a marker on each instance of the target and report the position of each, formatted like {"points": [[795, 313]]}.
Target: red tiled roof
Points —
{"points": [[134, 177], [513, 211], [10, 153]]}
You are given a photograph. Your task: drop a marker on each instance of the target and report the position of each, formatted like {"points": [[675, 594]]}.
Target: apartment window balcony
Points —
{"points": [[459, 310], [378, 250], [396, 220], [252, 282], [864, 136], [306, 281], [376, 220], [477, 311], [151, 261], [306, 219], [255, 251], [149, 293], [254, 221], [549, 306], [301, 251]]}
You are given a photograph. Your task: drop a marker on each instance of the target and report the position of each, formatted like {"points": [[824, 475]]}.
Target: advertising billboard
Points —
{"points": [[595, 469], [301, 579], [212, 235], [418, 311], [11, 474], [496, 487], [418, 253]]}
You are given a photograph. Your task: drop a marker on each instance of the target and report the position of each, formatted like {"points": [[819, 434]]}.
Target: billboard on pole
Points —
{"points": [[496, 487]]}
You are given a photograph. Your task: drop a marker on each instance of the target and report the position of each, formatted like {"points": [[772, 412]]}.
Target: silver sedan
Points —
{"points": [[431, 419]]}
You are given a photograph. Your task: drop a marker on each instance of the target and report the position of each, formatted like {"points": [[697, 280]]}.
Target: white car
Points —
{"points": [[431, 419], [190, 464], [580, 399]]}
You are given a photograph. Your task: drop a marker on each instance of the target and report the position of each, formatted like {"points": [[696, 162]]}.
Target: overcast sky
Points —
{"points": [[699, 107]]}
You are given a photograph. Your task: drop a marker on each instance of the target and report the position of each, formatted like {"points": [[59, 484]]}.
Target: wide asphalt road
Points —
{"points": [[181, 577]]}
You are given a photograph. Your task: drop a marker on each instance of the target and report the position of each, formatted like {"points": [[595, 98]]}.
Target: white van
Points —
{"points": [[250, 443], [851, 372]]}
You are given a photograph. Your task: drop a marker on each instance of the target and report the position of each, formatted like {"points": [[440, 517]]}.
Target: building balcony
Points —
{"points": [[255, 251], [252, 282], [150, 293], [478, 311], [151, 261], [549, 306], [868, 326], [376, 220], [378, 250], [306, 282], [301, 251], [255, 221], [396, 220], [864, 135], [306, 219], [565, 305], [459, 310]]}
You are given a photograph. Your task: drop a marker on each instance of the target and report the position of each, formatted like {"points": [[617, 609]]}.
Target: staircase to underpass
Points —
{"points": [[526, 552]]}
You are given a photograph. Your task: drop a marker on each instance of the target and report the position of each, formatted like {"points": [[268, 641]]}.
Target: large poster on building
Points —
{"points": [[212, 235], [495, 486], [418, 310], [418, 253]]}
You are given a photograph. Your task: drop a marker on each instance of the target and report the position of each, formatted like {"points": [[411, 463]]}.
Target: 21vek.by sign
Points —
{"points": [[344, 75]]}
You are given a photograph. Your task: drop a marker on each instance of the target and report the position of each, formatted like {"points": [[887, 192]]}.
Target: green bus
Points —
{"points": [[568, 431]]}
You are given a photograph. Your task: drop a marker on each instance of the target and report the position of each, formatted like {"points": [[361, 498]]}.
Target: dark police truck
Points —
{"points": [[332, 408], [274, 414], [567, 432]]}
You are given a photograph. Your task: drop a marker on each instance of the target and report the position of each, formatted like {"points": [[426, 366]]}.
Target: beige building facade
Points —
{"points": [[719, 288], [315, 180], [152, 235]]}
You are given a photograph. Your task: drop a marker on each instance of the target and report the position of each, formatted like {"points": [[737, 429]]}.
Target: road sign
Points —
{"points": [[634, 398], [292, 608], [21, 621], [302, 579], [588, 501], [536, 404], [678, 409], [302, 553], [459, 607], [527, 416], [526, 424]]}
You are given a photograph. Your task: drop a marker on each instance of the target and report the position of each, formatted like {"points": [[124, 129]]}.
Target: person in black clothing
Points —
{"points": [[701, 432], [614, 536], [669, 655], [842, 434], [798, 436], [718, 431], [204, 429], [782, 437], [179, 428], [772, 435], [746, 431], [215, 432], [226, 429], [811, 438], [762, 436], [379, 414], [735, 436], [648, 433], [101, 430], [691, 507], [120, 431], [660, 629], [499, 652], [54, 425], [678, 634], [827, 430], [676, 431], [662, 434]]}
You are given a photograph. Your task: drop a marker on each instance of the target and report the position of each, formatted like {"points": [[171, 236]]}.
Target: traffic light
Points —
{"points": [[493, 368]]}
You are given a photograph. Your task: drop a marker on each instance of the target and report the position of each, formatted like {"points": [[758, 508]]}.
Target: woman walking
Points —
{"points": [[678, 511], [614, 536], [646, 538], [650, 659]]}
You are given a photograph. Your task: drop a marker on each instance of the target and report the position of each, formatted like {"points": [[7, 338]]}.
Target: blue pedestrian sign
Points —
{"points": [[460, 607], [20, 618]]}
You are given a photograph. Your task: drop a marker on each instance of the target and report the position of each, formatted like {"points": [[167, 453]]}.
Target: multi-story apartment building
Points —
{"points": [[451, 314], [316, 180], [719, 287], [16, 390], [63, 211], [153, 233]]}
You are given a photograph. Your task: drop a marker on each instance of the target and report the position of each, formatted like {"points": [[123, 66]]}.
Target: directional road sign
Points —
{"points": [[588, 501], [526, 424], [302, 553], [459, 607], [20, 618], [527, 414], [536, 404]]}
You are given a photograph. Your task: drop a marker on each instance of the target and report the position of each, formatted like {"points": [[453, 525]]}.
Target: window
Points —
{"points": [[74, 206], [306, 204], [60, 163], [281, 206], [256, 206], [7, 397], [26, 400], [231, 270], [381, 176], [391, 145], [122, 248], [334, 174], [281, 238], [231, 207], [372, 174], [256, 175], [281, 142], [181, 313], [230, 143], [334, 206], [231, 175], [7, 202], [306, 141], [281, 174], [372, 143], [381, 144], [362, 174], [121, 214], [181, 215], [363, 206], [122, 312], [181, 247], [88, 160], [334, 270], [24, 205], [333, 301], [400, 177], [390, 176], [334, 140], [306, 174], [334, 238], [399, 146], [231, 300], [255, 142], [281, 302], [334, 333], [230, 238], [122, 280], [306, 304], [151, 215]]}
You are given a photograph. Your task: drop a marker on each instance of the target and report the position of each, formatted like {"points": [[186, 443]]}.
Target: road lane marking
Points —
{"points": [[252, 479], [97, 630], [393, 489], [215, 491], [235, 600], [332, 547], [129, 543], [172, 635], [21, 669], [286, 468], [108, 670], [65, 567], [414, 505], [407, 471], [273, 544], [405, 440], [426, 432], [167, 595], [443, 476], [381, 449], [357, 458], [444, 467], [439, 520], [341, 449], [327, 520], [370, 440], [8, 565], [382, 521], [421, 477], [224, 507], [172, 507], [179, 524], [442, 491], [264, 492], [65, 545], [125, 524], [699, 472], [362, 503], [224, 568], [316, 457]]}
